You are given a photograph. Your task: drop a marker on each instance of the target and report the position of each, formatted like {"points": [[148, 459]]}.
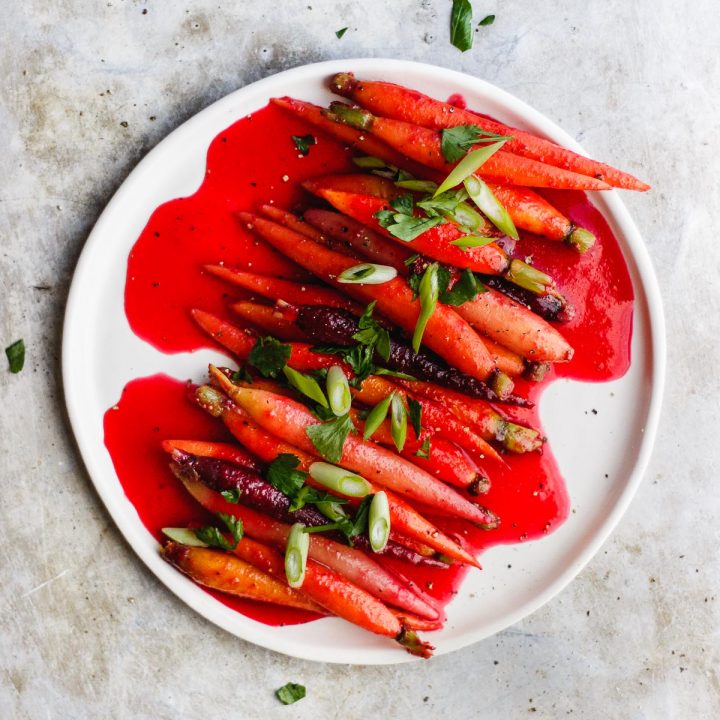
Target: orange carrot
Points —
{"points": [[446, 333], [268, 320], [396, 101], [220, 451], [423, 145]]}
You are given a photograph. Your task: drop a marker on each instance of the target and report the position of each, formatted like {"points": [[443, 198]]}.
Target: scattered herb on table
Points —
{"points": [[339, 33], [290, 693], [16, 356], [461, 25]]}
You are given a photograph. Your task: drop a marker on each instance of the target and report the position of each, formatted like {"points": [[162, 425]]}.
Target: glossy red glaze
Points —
{"points": [[164, 282]]}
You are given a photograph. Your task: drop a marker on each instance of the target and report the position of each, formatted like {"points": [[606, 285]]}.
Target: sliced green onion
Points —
{"points": [[472, 241], [376, 416], [306, 384], [463, 215], [468, 165], [296, 552], [368, 274], [184, 536], [485, 199], [529, 277], [368, 161], [379, 522], [331, 510], [398, 421], [340, 480], [429, 292], [338, 391], [427, 186]]}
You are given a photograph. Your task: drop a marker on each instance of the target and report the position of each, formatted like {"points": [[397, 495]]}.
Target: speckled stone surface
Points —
{"points": [[86, 88]]}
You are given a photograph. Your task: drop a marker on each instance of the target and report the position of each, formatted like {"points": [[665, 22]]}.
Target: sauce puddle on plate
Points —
{"points": [[255, 161]]}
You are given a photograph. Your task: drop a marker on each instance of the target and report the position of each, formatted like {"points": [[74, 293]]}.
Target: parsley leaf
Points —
{"points": [[372, 333], [232, 496], [339, 33], [242, 374], [461, 25], [415, 415], [282, 474], [303, 143], [465, 288], [290, 693], [16, 356], [329, 437], [404, 204], [213, 537], [458, 140], [234, 525], [487, 20], [269, 356], [405, 227]]}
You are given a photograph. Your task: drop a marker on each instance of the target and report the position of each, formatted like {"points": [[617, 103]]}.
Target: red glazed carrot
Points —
{"points": [[446, 333], [423, 145], [350, 233], [220, 451], [434, 243], [285, 217], [267, 447], [515, 327], [333, 592], [529, 211], [352, 564], [361, 183], [490, 424], [506, 360], [277, 289], [395, 101], [288, 419], [364, 143], [229, 574], [268, 320]]}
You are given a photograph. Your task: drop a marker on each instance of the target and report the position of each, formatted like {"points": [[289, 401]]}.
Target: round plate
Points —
{"points": [[101, 354]]}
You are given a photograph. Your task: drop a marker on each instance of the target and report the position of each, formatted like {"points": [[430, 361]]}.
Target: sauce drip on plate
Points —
{"points": [[255, 161]]}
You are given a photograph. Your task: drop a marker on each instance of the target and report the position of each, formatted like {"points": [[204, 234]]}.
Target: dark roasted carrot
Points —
{"points": [[396, 101]]}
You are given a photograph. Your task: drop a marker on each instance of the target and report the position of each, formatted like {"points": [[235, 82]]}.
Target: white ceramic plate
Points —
{"points": [[101, 354]]}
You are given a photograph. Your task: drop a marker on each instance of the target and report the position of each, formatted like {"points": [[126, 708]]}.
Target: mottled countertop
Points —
{"points": [[86, 89]]}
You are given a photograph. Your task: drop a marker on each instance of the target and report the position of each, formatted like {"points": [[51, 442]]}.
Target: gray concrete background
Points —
{"points": [[86, 88]]}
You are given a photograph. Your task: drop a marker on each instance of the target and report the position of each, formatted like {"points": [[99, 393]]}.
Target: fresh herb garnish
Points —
{"points": [[376, 416], [16, 356], [242, 374], [394, 373], [283, 475], [213, 537], [368, 161], [415, 415], [372, 334], [405, 227], [232, 496], [468, 165], [303, 143], [404, 204], [472, 241], [465, 288], [457, 141], [398, 421], [329, 437], [339, 33], [269, 356], [424, 450], [487, 20], [429, 293], [305, 384], [290, 693], [461, 25]]}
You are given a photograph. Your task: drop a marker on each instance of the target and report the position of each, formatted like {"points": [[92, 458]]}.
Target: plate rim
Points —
{"points": [[177, 583]]}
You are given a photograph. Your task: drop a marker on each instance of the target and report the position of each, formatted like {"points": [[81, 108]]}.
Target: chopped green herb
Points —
{"points": [[394, 373], [361, 516], [373, 334], [427, 186], [269, 356], [305, 384], [376, 416], [234, 525], [465, 288], [284, 476], [303, 143], [213, 537], [329, 437], [491, 207], [404, 204], [16, 356], [242, 375], [290, 693], [398, 421], [339, 33], [231, 496], [415, 415], [487, 20], [461, 25], [472, 241], [429, 293], [457, 141], [411, 260], [368, 161], [468, 165], [405, 227], [424, 450]]}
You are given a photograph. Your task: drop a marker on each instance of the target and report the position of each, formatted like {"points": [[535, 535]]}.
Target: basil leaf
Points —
{"points": [[415, 415], [465, 288], [269, 356], [329, 438], [461, 25], [290, 692], [487, 20], [303, 142], [231, 496], [339, 33], [305, 384], [16, 356]]}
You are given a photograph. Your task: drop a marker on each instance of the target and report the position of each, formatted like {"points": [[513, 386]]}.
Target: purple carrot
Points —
{"points": [[332, 326]]}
